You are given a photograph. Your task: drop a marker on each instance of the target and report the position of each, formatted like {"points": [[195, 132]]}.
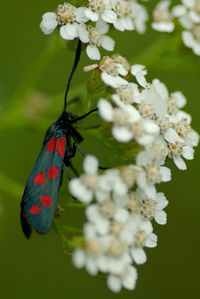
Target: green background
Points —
{"points": [[39, 268]]}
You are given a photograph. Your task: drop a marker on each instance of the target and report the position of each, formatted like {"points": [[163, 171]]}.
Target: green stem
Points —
{"points": [[71, 229], [63, 238]]}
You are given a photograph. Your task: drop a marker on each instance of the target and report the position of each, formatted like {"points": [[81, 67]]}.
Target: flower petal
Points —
{"points": [[122, 134], [90, 164], [105, 110], [93, 52], [139, 255], [180, 163], [108, 15], [161, 217], [107, 43]]}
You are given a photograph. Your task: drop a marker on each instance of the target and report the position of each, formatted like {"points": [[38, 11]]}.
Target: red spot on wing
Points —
{"points": [[39, 179], [35, 210], [60, 146], [51, 146], [53, 173], [46, 200]]}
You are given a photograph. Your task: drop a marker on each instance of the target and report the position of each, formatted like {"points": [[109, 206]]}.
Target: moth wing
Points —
{"points": [[39, 200]]}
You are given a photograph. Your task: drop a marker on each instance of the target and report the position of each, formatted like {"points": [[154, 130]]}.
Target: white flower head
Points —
{"points": [[95, 37], [83, 188], [130, 16], [178, 148], [67, 17], [100, 9], [152, 174], [163, 17], [192, 39], [154, 208]]}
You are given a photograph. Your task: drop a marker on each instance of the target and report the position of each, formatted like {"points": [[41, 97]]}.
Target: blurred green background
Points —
{"points": [[39, 268]]}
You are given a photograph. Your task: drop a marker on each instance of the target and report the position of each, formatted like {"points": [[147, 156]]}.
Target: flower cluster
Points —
{"points": [[119, 225], [186, 14], [123, 201], [91, 22], [126, 200]]}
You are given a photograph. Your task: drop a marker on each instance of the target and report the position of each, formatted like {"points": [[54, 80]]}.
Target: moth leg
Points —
{"points": [[79, 149], [67, 172], [74, 170], [84, 155]]}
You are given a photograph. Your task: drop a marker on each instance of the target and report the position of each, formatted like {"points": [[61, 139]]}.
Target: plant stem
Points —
{"points": [[71, 229], [63, 238]]}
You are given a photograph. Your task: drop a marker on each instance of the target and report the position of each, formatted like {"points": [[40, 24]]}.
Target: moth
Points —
{"points": [[39, 201]]}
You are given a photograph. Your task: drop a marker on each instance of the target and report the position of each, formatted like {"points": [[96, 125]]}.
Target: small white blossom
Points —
{"points": [[100, 9], [154, 208], [67, 17], [178, 148], [49, 22], [152, 174], [126, 280], [95, 37], [163, 17], [130, 16], [192, 39], [127, 122], [83, 188]]}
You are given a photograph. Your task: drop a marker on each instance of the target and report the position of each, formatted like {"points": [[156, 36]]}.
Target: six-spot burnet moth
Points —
{"points": [[39, 201]]}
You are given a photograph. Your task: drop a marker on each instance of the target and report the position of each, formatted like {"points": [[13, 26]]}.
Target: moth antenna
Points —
{"points": [[84, 115], [76, 60]]}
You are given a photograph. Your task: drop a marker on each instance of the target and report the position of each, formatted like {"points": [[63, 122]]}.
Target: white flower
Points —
{"points": [[128, 93], [90, 257], [158, 150], [110, 183], [126, 280], [94, 37], [154, 208], [139, 13], [127, 122], [130, 16], [143, 236], [178, 148], [101, 214], [83, 188], [111, 70], [163, 18], [124, 15], [152, 174], [192, 39], [100, 9], [193, 8], [67, 17], [49, 22], [119, 224], [151, 104]]}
